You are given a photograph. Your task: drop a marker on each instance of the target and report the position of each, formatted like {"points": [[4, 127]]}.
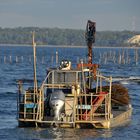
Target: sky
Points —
{"points": [[108, 14]]}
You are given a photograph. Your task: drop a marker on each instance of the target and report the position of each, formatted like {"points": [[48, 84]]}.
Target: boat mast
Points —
{"points": [[34, 53], [90, 38]]}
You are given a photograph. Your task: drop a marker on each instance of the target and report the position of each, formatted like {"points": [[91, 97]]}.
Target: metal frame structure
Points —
{"points": [[83, 105], [36, 114]]}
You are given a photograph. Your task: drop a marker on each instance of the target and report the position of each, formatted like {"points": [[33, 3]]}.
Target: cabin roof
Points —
{"points": [[68, 71]]}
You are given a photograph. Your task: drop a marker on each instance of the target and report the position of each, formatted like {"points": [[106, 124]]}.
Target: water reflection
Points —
{"points": [[66, 133]]}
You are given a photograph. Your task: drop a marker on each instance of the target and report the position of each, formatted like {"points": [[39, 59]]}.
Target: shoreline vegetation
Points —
{"points": [[21, 36]]}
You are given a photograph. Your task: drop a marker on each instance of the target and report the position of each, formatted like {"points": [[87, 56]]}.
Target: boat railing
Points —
{"points": [[52, 83], [96, 105], [94, 108], [107, 87], [27, 105], [45, 80], [86, 107]]}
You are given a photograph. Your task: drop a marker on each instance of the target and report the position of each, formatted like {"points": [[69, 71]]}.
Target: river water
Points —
{"points": [[17, 63]]}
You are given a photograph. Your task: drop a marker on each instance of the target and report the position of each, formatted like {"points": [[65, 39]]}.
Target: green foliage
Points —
{"points": [[57, 36]]}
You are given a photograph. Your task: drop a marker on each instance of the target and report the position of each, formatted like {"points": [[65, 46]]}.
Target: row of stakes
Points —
{"points": [[19, 59], [118, 58], [102, 58]]}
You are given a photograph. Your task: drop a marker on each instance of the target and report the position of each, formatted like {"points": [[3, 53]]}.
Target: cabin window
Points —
{"points": [[62, 77], [65, 77]]}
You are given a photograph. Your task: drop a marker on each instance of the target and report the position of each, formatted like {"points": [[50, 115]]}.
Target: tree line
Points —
{"points": [[57, 36]]}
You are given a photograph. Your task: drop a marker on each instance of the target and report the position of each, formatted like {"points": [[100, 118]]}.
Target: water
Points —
{"points": [[12, 70]]}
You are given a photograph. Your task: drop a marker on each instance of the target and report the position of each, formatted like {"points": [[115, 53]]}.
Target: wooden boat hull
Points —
{"points": [[120, 118]]}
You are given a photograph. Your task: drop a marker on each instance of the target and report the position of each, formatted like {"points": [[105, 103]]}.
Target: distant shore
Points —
{"points": [[48, 46], [60, 46]]}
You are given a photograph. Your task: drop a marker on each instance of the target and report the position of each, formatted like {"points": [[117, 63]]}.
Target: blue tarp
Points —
{"points": [[30, 105]]}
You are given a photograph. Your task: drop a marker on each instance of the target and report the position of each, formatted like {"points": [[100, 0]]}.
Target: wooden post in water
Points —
{"points": [[4, 59], [114, 57], [56, 58], [78, 60], [120, 58], [127, 57], [30, 60], [43, 60], [10, 59], [136, 55], [16, 59], [52, 60], [21, 58]]}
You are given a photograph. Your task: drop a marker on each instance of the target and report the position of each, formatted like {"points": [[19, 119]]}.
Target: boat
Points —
{"points": [[80, 97]]}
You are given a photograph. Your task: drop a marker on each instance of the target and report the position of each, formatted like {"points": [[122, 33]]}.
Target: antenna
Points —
{"points": [[34, 53]]}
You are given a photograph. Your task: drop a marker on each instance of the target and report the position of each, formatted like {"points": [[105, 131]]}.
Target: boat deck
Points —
{"points": [[119, 117]]}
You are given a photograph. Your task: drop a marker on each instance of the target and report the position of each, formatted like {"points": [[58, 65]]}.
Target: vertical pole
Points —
{"points": [[90, 38], [21, 58], [10, 59], [75, 103], [91, 112], [35, 78], [42, 95], [43, 60], [56, 58], [89, 52], [84, 86], [136, 56], [16, 59], [25, 106], [34, 53], [19, 97], [83, 77], [4, 59], [97, 83], [110, 89], [40, 106], [101, 84], [30, 60], [52, 60]]}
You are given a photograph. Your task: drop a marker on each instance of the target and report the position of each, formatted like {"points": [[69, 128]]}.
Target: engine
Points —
{"points": [[56, 103]]}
